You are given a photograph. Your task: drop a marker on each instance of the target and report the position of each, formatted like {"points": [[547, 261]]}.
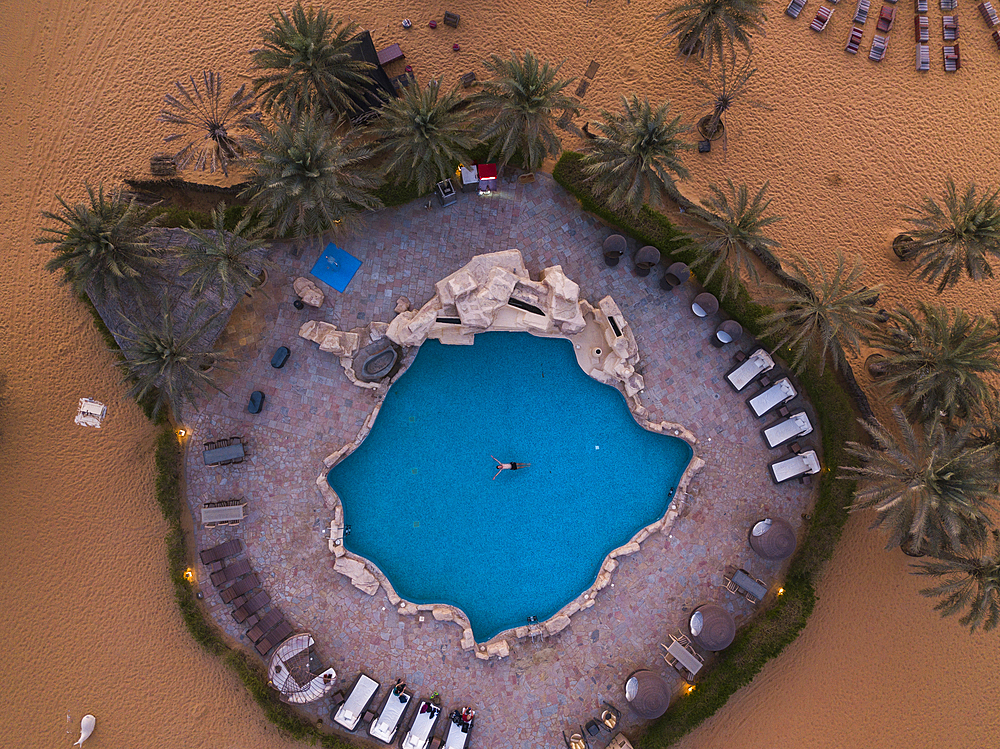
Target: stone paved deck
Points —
{"points": [[526, 700]]}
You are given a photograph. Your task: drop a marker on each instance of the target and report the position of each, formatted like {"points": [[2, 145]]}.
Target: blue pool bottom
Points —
{"points": [[420, 502]]}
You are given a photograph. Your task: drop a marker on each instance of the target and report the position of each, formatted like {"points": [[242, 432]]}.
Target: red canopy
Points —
{"points": [[487, 171]]}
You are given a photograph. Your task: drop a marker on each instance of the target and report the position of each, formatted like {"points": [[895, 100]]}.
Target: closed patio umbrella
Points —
{"points": [[773, 538], [648, 694], [713, 627]]}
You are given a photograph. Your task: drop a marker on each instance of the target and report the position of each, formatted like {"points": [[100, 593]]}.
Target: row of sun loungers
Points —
{"points": [[252, 606], [231, 572], [350, 712], [822, 18], [217, 553], [241, 587]]}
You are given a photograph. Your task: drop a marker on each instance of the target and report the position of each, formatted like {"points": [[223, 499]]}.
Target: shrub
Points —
{"points": [[769, 632]]}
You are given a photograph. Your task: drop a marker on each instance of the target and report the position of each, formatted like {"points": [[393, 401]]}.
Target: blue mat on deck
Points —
{"points": [[336, 267]]}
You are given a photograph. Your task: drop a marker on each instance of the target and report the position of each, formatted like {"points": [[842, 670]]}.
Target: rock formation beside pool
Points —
{"points": [[308, 292], [337, 342]]}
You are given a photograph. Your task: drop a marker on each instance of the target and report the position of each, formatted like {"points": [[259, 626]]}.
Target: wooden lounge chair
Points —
{"points": [[794, 466], [239, 588], [274, 638], [923, 57], [989, 14], [795, 7], [952, 59], [770, 398], [879, 45], [854, 42], [822, 18], [269, 621], [885, 19], [750, 369], [950, 27], [796, 425], [259, 601], [922, 28], [232, 572], [728, 583]]}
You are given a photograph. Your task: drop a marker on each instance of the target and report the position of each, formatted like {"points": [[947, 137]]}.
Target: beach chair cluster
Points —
{"points": [[239, 586], [879, 45], [952, 59], [922, 29], [354, 711], [859, 20], [949, 4], [822, 18], [773, 396], [795, 7], [949, 26], [922, 35], [923, 57], [989, 15]]}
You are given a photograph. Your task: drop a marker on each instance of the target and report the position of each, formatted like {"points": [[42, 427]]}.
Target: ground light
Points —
{"points": [[690, 688], [182, 433], [189, 574], [781, 591]]}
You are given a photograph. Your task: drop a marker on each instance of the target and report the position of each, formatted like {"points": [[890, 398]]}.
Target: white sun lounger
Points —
{"points": [[384, 727], [350, 713], [780, 392], [419, 735], [796, 466], [457, 738], [756, 364], [796, 425]]}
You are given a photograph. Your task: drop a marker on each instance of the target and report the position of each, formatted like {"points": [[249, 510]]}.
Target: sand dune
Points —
{"points": [[90, 624]]}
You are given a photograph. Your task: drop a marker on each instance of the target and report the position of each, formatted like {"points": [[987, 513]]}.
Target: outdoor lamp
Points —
{"points": [[189, 574], [781, 591]]}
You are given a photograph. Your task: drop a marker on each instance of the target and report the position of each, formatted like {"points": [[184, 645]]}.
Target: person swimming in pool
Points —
{"points": [[508, 466]]}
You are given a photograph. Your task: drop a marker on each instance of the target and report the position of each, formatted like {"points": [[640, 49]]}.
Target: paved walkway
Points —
{"points": [[526, 700]]}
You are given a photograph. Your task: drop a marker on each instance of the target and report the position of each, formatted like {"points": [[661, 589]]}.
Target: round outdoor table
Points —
{"points": [[712, 627], [705, 304], [728, 332], [648, 694], [773, 538]]}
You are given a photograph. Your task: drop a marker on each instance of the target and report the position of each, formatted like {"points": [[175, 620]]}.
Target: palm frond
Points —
{"points": [[971, 584], [713, 28]]}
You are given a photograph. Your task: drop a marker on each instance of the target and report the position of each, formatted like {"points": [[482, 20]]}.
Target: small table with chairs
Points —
{"points": [[223, 452]]}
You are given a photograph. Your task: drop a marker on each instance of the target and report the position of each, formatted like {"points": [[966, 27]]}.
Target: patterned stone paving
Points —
{"points": [[544, 687]]}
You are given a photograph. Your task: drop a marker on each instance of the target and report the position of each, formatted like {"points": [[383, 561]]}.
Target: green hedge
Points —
{"points": [[768, 633]]}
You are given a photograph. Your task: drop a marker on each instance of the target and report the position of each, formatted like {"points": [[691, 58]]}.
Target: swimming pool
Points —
{"points": [[419, 499]]}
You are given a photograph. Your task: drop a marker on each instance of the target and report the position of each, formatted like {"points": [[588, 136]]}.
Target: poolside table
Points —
{"points": [[751, 586], [685, 657], [222, 514], [220, 454]]}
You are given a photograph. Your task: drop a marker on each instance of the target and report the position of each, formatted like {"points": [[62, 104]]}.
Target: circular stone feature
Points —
{"points": [[427, 506]]}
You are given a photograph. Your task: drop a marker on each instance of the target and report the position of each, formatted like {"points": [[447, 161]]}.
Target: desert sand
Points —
{"points": [[89, 620]]}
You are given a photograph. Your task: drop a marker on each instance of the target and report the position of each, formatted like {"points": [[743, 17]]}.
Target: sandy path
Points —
{"points": [[91, 623]]}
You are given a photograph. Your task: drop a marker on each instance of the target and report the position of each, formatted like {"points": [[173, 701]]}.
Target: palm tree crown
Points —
{"points": [[307, 63], [972, 582], [213, 131], [733, 234], [637, 154], [828, 314], [230, 260], [102, 245], [516, 107], [929, 490], [935, 363], [306, 180], [957, 237], [423, 134], [167, 361], [714, 27]]}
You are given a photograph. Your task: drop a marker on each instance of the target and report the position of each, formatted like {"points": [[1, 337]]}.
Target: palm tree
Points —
{"points": [[935, 364], [714, 27], [305, 180], [516, 108], [227, 259], [168, 363], [307, 63], [955, 238], [823, 314], [423, 134], [213, 131], [929, 489], [637, 153], [101, 245], [725, 89], [733, 234], [972, 582]]}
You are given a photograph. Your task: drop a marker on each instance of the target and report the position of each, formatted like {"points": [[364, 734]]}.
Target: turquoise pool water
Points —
{"points": [[419, 498]]}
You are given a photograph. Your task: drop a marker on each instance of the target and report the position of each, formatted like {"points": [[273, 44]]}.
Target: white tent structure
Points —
{"points": [[289, 671], [90, 413]]}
